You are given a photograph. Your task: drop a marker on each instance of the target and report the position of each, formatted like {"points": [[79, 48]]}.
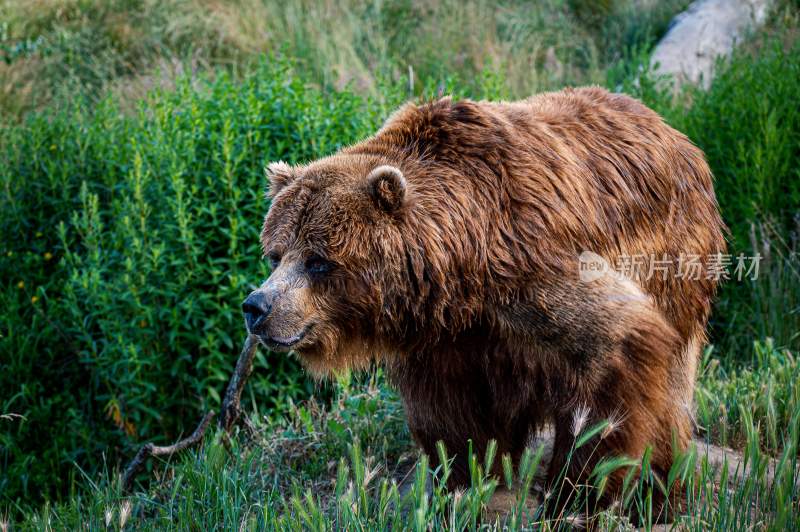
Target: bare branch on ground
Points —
{"points": [[231, 403], [230, 414], [149, 450]]}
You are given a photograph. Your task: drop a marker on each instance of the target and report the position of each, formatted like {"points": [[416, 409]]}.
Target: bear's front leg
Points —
{"points": [[450, 397], [427, 432]]}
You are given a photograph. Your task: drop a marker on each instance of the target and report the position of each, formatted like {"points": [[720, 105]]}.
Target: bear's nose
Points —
{"points": [[256, 308]]}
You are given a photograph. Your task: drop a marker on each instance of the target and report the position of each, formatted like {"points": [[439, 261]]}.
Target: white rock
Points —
{"points": [[707, 30]]}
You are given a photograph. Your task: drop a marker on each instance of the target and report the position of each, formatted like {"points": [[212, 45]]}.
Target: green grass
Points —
{"points": [[351, 466], [766, 391]]}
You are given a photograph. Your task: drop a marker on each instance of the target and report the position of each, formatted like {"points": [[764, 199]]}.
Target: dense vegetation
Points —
{"points": [[128, 243], [129, 237]]}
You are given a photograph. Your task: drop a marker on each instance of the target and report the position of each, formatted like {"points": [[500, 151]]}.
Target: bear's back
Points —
{"points": [[645, 193], [541, 180]]}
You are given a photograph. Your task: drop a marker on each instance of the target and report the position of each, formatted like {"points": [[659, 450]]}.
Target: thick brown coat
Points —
{"points": [[449, 246]]}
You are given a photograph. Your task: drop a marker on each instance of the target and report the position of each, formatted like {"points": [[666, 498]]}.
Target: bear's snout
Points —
{"points": [[276, 318], [256, 309]]}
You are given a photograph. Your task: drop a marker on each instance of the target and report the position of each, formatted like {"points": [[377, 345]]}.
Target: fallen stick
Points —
{"points": [[231, 403], [229, 415], [149, 450]]}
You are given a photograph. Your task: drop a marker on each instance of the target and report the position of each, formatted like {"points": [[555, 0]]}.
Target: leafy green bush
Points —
{"points": [[127, 245], [748, 125]]}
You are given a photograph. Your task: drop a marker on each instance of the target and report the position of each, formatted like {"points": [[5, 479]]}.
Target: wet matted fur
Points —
{"points": [[446, 247]]}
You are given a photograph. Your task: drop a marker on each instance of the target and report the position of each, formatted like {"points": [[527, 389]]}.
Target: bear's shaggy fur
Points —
{"points": [[447, 248]]}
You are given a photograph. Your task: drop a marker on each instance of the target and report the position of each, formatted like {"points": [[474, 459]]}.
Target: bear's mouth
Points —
{"points": [[281, 343]]}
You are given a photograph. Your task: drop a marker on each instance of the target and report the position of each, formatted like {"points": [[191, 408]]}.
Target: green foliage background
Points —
{"points": [[128, 243]]}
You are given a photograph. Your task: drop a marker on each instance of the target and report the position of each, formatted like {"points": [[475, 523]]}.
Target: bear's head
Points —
{"points": [[334, 236]]}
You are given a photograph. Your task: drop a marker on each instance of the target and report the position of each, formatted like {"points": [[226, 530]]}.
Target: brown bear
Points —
{"points": [[448, 248]]}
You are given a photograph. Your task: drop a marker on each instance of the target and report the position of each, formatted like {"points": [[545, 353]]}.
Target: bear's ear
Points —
{"points": [[387, 185], [279, 174]]}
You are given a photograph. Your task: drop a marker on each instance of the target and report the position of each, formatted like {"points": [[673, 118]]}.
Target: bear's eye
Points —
{"points": [[316, 265], [274, 260]]}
